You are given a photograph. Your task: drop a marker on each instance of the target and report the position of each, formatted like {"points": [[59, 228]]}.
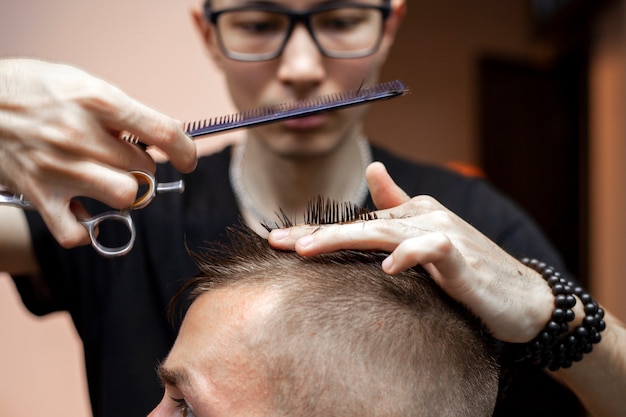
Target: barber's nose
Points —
{"points": [[301, 60]]}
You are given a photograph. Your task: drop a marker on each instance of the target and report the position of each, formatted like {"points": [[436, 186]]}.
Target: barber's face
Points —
{"points": [[300, 72], [208, 372]]}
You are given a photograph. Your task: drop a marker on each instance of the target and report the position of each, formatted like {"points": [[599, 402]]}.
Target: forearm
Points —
{"points": [[599, 380], [16, 252]]}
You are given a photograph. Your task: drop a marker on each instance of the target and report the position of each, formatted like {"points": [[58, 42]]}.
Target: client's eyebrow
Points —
{"points": [[172, 377]]}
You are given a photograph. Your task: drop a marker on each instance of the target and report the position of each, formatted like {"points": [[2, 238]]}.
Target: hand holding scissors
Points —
{"points": [[146, 181]]}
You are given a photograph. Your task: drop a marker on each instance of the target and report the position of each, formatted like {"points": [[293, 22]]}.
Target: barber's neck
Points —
{"points": [[274, 181]]}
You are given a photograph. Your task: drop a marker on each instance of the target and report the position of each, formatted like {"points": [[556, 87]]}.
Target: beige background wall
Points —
{"points": [[149, 49], [608, 160]]}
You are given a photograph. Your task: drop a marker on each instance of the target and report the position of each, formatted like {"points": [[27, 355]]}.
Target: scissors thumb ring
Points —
{"points": [[147, 180], [144, 199]]}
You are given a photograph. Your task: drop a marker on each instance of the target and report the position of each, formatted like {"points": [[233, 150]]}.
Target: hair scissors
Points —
{"points": [[146, 181]]}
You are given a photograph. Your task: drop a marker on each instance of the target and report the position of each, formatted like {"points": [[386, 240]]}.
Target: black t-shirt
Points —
{"points": [[118, 305]]}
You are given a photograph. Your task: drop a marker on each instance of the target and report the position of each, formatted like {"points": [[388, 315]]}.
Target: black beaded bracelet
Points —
{"points": [[555, 347]]}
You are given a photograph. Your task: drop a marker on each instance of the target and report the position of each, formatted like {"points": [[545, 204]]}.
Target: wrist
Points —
{"points": [[573, 327]]}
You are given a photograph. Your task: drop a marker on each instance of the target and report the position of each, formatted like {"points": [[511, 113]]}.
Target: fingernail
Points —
{"points": [[279, 234], [305, 241], [388, 263]]}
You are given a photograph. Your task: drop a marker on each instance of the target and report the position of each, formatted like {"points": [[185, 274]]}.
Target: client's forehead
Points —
{"points": [[226, 311], [209, 362]]}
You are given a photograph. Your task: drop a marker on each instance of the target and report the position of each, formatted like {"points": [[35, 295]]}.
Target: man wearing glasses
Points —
{"points": [[270, 52]]}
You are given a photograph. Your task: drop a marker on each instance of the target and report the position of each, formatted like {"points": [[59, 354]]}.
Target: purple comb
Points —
{"points": [[289, 110], [295, 109]]}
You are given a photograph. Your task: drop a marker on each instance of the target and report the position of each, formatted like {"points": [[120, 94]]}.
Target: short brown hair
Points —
{"points": [[349, 340]]}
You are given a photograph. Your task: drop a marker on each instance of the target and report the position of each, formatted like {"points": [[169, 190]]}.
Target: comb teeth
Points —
{"points": [[133, 140], [322, 211], [326, 211], [130, 138], [295, 109]]}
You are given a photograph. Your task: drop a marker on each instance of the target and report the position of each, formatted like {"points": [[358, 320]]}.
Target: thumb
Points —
{"points": [[385, 192]]}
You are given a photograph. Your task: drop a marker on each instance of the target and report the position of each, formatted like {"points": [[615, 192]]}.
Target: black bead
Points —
{"points": [[589, 321], [558, 289], [558, 314], [591, 308], [553, 280], [545, 337], [581, 332]]}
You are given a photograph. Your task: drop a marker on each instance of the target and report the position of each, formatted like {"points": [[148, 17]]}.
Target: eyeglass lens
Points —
{"points": [[260, 34]]}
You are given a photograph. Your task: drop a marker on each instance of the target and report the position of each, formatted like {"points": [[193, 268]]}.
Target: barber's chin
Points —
{"points": [[305, 123], [304, 146]]}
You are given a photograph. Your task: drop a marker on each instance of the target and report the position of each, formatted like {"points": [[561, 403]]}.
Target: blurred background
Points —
{"points": [[529, 93]]}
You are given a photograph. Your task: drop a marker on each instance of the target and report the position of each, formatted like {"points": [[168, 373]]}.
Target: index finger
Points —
{"points": [[152, 127], [310, 240]]}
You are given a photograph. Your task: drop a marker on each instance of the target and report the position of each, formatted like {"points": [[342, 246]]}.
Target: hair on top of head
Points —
{"points": [[345, 339], [249, 258], [319, 211]]}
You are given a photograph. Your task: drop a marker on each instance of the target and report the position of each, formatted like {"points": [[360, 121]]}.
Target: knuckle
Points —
{"points": [[425, 202], [124, 192], [442, 242], [165, 131], [391, 228], [66, 231], [98, 96], [64, 132], [70, 136], [41, 164], [440, 218], [69, 240]]}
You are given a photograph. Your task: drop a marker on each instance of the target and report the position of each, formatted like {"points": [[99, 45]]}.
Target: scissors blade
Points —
{"points": [[16, 200]]}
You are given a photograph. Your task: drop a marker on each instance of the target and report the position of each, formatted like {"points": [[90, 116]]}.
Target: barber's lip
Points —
{"points": [[307, 122]]}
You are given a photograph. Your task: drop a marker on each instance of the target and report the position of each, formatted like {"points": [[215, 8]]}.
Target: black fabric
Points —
{"points": [[118, 305]]}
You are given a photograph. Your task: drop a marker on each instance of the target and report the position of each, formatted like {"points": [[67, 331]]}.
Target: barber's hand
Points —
{"points": [[59, 139], [512, 300]]}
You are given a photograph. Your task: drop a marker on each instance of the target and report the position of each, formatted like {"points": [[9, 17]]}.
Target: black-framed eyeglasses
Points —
{"points": [[260, 32]]}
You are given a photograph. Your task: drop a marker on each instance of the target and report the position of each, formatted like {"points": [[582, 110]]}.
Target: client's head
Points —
{"points": [[270, 333]]}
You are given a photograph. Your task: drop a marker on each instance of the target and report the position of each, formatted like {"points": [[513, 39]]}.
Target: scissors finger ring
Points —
{"points": [[122, 216], [152, 188]]}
